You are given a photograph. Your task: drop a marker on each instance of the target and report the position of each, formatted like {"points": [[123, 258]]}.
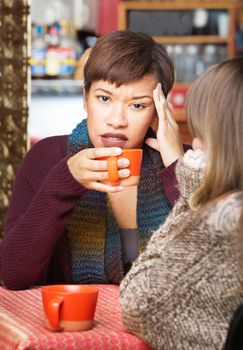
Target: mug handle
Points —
{"points": [[53, 312], [113, 169]]}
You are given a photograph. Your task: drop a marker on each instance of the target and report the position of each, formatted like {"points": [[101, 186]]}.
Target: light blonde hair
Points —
{"points": [[222, 130], [196, 101], [215, 112]]}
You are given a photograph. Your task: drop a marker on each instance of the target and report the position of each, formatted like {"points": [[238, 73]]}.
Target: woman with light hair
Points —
{"points": [[182, 291]]}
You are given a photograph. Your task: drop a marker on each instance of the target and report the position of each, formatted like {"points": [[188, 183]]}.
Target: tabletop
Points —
{"points": [[22, 324]]}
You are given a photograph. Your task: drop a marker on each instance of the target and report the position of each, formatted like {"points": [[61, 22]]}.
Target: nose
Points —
{"points": [[117, 118]]}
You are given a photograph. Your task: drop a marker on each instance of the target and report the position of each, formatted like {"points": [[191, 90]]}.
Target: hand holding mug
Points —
{"points": [[106, 169], [90, 170]]}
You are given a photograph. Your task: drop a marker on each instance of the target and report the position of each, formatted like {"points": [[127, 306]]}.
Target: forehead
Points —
{"points": [[144, 85]]}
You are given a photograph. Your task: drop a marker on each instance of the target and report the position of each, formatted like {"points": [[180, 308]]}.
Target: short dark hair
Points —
{"points": [[124, 56]]}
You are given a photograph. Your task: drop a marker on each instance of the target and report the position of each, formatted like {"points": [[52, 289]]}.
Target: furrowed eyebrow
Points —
{"points": [[140, 97], [103, 90], [133, 98]]}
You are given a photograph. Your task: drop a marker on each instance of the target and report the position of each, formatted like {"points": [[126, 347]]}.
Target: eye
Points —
{"points": [[137, 106], [103, 98]]}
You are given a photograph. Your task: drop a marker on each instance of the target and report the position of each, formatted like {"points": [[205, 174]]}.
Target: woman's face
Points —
{"points": [[120, 116]]}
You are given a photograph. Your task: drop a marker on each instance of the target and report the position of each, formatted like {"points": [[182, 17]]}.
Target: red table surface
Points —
{"points": [[22, 324]]}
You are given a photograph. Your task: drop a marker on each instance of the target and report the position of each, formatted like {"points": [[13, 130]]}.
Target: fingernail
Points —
{"points": [[123, 162], [125, 172], [117, 151]]}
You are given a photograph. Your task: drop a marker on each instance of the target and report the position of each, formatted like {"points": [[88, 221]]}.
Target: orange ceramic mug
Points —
{"points": [[135, 158], [69, 307]]}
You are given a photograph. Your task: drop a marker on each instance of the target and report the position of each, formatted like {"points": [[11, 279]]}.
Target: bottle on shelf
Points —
{"points": [[200, 64], [191, 57], [179, 62], [210, 56], [200, 21], [67, 50], [38, 52], [53, 50], [52, 53]]}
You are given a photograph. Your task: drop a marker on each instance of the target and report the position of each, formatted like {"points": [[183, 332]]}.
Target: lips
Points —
{"points": [[114, 140]]}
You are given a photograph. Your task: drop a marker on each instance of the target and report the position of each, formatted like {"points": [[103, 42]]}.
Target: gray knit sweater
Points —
{"points": [[183, 289]]}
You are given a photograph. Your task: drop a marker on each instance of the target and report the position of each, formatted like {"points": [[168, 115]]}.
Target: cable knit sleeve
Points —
{"points": [[44, 196], [169, 180], [182, 293]]}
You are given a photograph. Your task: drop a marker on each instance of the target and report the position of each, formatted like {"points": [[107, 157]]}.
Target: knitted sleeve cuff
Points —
{"points": [[169, 182], [189, 177]]}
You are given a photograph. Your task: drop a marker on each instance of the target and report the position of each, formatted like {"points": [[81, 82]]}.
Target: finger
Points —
{"points": [[99, 165], [153, 143], [103, 175], [98, 186], [157, 100], [162, 99], [91, 176], [170, 117], [159, 104], [123, 173], [94, 153], [161, 93], [123, 163], [164, 107], [96, 165]]}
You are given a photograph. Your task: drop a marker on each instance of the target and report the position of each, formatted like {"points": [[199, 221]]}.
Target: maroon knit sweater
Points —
{"points": [[35, 249]]}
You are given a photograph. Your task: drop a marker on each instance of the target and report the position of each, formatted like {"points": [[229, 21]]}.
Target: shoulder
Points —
{"points": [[57, 145], [48, 150], [225, 212], [42, 156]]}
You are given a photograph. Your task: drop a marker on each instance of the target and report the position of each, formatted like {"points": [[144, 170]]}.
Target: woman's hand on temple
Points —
{"points": [[90, 171], [168, 141]]}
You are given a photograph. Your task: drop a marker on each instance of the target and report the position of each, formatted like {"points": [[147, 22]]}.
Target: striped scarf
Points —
{"points": [[93, 233]]}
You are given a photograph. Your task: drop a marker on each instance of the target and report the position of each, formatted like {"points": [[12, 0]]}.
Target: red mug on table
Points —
{"points": [[69, 307], [135, 159]]}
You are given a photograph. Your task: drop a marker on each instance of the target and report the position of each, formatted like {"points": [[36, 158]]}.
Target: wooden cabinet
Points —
{"points": [[126, 7], [157, 19]]}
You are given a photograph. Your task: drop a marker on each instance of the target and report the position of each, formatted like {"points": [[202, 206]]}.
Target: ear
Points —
{"points": [[197, 144], [84, 99]]}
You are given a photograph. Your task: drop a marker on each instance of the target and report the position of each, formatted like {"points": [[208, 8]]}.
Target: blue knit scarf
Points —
{"points": [[93, 233]]}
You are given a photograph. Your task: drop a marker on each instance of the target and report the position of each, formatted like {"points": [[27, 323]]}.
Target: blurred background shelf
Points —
{"points": [[193, 39], [196, 34], [188, 29], [68, 87]]}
